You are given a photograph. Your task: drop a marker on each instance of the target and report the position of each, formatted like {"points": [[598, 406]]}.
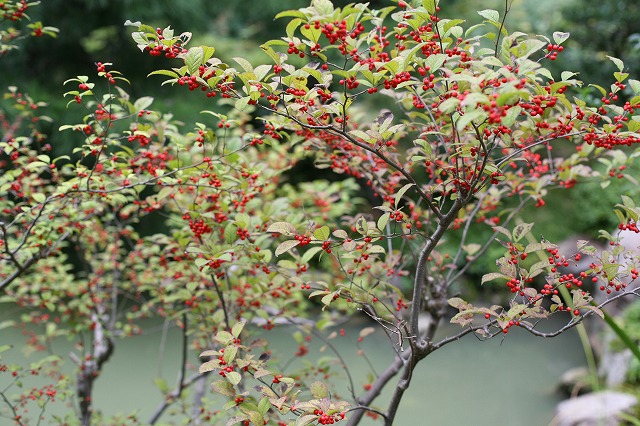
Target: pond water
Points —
{"points": [[502, 381]]}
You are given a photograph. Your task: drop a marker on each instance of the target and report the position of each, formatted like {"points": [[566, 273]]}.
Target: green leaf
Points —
{"points": [[506, 267], [326, 300], [618, 63], [340, 233], [286, 246], [4, 348], [516, 310], [46, 360], [291, 13], [241, 104], [600, 88], [233, 377], [264, 405], [277, 59], [512, 115], [323, 7], [521, 231], [458, 303], [161, 384], [312, 33], [559, 37], [361, 226], [235, 420], [392, 65], [39, 197], [349, 245], [430, 5], [309, 254], [528, 47], [7, 324], [502, 230], [468, 117], [261, 71], [449, 105], [266, 391], [284, 228], [322, 233], [471, 248], [237, 329], [490, 14], [224, 337], [230, 353], [628, 202], [261, 372], [493, 276], [366, 331], [305, 420], [319, 390], [223, 387], [401, 192], [193, 285], [292, 26], [382, 221], [434, 62], [620, 76], [362, 135], [246, 65], [193, 59], [142, 103], [209, 366]]}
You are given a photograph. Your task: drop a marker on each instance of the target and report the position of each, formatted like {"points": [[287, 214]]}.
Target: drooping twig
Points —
{"points": [[181, 382]]}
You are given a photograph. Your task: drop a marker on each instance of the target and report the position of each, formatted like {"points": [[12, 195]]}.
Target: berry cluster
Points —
{"points": [[326, 419], [510, 324], [304, 239], [397, 216], [293, 50], [171, 51], [224, 370], [199, 228], [242, 233], [552, 51], [350, 82], [142, 139], [13, 12], [629, 226]]}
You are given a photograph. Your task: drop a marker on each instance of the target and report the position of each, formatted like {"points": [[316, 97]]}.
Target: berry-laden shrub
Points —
{"points": [[11, 12], [467, 143]]}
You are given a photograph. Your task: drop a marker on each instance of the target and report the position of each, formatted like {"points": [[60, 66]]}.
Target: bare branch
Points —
{"points": [[181, 383]]}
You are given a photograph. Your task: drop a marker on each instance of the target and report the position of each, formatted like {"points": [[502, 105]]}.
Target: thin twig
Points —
{"points": [[216, 286], [507, 7]]}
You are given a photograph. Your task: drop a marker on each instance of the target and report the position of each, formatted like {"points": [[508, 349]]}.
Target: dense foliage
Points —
{"points": [[475, 130]]}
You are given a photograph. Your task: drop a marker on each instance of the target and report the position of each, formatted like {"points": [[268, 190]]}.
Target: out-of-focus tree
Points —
{"points": [[599, 29]]}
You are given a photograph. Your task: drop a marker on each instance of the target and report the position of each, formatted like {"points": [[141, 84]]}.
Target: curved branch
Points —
{"points": [[172, 396], [378, 153], [182, 384], [378, 385], [507, 7], [536, 143], [577, 320], [16, 417], [222, 301]]}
